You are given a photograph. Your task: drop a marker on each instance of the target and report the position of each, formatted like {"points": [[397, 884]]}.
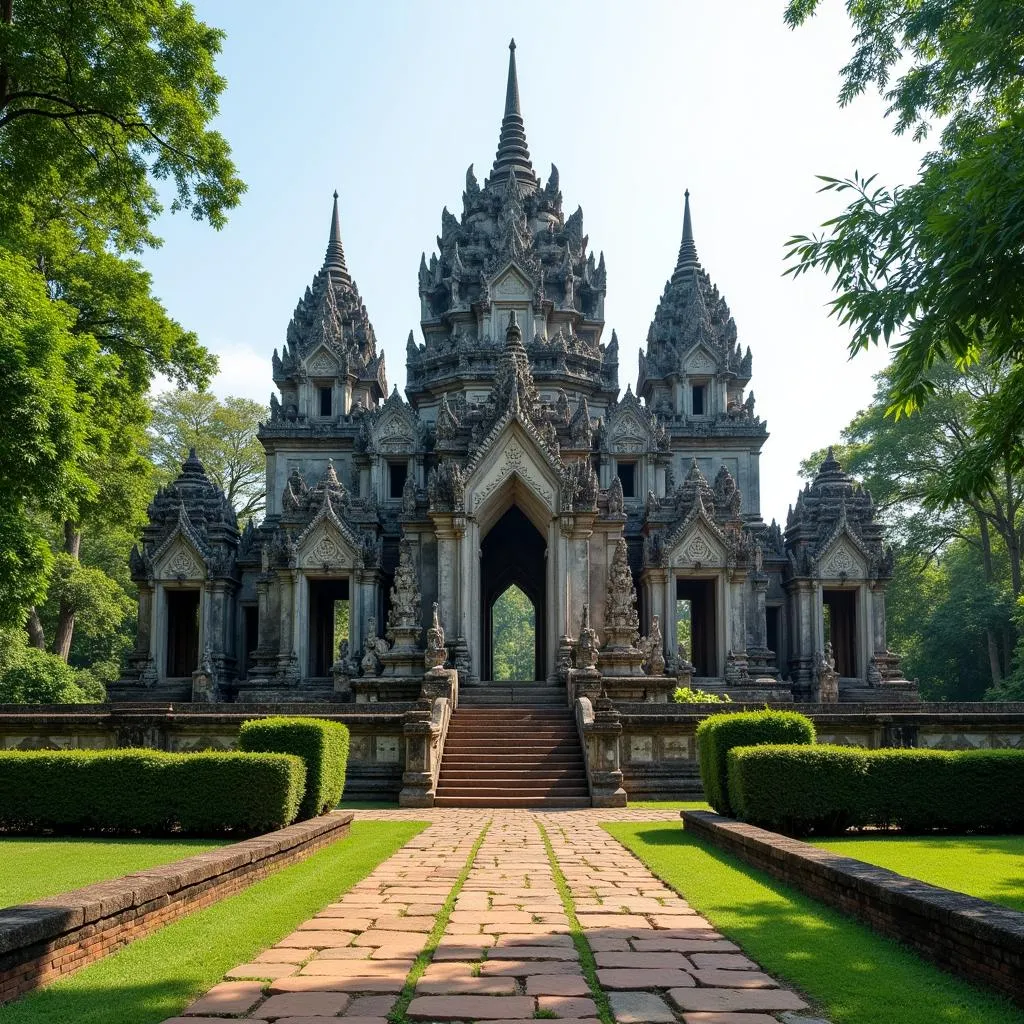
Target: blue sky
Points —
{"points": [[389, 102]]}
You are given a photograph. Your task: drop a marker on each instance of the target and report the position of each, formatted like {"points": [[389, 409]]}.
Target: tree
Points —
{"points": [[224, 437], [99, 104], [936, 268], [513, 633]]}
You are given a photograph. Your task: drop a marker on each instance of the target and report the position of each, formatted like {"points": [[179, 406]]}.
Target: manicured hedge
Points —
{"points": [[826, 789], [321, 744], [148, 791], [718, 734]]}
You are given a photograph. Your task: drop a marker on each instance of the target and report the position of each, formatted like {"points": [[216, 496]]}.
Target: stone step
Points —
{"points": [[457, 775], [511, 801]]}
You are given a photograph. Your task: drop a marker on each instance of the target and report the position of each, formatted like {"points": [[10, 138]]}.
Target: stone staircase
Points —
{"points": [[512, 745]]}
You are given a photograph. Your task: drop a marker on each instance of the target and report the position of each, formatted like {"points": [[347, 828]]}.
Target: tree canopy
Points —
{"points": [[105, 112], [936, 267]]}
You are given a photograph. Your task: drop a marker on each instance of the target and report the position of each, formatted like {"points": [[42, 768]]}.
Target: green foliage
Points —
{"points": [[31, 676], [718, 734], [513, 631], [687, 695], [827, 789], [684, 628], [148, 791], [935, 267], [322, 745], [224, 437]]}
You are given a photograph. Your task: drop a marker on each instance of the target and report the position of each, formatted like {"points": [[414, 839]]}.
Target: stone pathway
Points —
{"points": [[507, 953]]}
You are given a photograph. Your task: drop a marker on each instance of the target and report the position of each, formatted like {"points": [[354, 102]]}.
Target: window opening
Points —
{"points": [[328, 623], [698, 399], [839, 611], [398, 472], [182, 633], [695, 602], [325, 401]]}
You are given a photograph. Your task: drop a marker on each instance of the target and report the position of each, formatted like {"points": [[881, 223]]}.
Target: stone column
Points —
{"points": [[653, 580]]}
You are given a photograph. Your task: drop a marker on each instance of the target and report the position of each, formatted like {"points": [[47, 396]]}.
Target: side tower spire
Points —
{"points": [[334, 261], [513, 156]]}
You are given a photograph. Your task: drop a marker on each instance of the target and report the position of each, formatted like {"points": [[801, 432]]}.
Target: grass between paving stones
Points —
{"points": [[34, 868], [159, 975], [426, 955], [989, 867], [579, 939], [854, 975]]}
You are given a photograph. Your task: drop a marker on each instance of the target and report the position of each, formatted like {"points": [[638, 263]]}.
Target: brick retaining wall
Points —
{"points": [[981, 941], [41, 941]]}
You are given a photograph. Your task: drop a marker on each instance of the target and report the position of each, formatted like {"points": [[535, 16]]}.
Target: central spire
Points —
{"points": [[687, 249], [335, 258], [513, 156]]}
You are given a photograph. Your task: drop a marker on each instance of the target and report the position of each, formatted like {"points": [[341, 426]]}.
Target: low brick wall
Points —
{"points": [[981, 941], [41, 941]]}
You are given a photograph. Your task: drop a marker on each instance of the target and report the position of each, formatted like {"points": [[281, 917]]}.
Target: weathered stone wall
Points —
{"points": [[982, 941], [42, 941]]}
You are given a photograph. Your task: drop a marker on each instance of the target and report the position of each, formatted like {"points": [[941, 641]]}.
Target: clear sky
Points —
{"points": [[389, 102]]}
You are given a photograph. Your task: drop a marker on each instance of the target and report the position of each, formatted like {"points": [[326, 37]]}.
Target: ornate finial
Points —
{"points": [[687, 250], [513, 156], [513, 330], [335, 258]]}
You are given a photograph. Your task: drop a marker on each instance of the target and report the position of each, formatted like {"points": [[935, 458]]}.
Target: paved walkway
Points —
{"points": [[507, 953]]}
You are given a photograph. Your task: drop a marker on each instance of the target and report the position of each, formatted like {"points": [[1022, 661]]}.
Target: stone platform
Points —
{"points": [[506, 953]]}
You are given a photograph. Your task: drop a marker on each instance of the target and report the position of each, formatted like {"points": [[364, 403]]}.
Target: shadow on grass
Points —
{"points": [[843, 967]]}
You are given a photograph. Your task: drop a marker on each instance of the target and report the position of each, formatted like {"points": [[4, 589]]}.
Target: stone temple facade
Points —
{"points": [[514, 459]]}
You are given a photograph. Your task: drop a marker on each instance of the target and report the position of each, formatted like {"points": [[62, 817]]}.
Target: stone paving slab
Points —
{"points": [[507, 952]]}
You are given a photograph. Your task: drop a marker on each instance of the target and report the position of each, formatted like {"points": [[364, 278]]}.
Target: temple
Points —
{"points": [[631, 521]]}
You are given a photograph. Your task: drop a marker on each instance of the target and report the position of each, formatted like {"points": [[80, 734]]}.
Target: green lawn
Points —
{"points": [[158, 976], [34, 868], [990, 867], [852, 975]]}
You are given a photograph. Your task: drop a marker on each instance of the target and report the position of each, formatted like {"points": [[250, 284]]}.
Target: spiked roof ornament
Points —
{"points": [[687, 249], [335, 258], [513, 156]]}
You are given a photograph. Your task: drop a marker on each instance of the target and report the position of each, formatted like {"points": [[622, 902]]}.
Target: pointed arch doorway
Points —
{"points": [[513, 555]]}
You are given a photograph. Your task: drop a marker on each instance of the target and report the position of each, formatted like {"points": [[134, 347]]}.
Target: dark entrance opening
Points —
{"points": [[771, 621], [840, 611], [512, 554], [695, 603], [182, 633], [328, 623], [250, 637]]}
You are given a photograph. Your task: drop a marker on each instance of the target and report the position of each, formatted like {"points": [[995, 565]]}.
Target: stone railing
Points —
{"points": [[44, 940], [599, 729], [982, 941], [426, 730]]}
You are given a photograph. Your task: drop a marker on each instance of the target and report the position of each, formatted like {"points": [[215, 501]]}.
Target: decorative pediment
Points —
{"points": [[843, 559], [515, 455], [699, 361], [322, 363], [511, 283], [697, 543], [179, 559], [628, 427], [395, 428], [327, 543]]}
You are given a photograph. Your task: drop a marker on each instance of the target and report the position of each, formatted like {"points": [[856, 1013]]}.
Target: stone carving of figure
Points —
{"points": [[587, 645], [373, 648], [616, 500], [653, 647], [758, 557], [436, 653], [409, 496], [825, 675]]}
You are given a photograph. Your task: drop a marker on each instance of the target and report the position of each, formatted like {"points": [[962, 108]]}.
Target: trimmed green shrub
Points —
{"points": [[826, 789], [687, 695], [321, 744], [148, 791], [718, 734]]}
